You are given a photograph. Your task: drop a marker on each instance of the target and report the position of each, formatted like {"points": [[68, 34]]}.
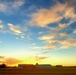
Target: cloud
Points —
{"points": [[1, 26], [12, 61], [39, 18], [59, 38], [17, 3], [10, 6], [1, 61], [40, 33], [38, 58], [56, 13], [71, 2], [61, 26], [68, 43], [47, 37], [22, 36], [15, 29], [34, 47], [34, 44], [1, 21], [46, 51], [3, 7], [63, 43], [52, 44], [74, 31], [63, 34], [4, 30], [9, 61], [2, 57]]}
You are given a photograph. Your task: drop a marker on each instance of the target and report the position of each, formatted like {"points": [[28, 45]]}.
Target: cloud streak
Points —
{"points": [[12, 61], [63, 43], [38, 58], [47, 37], [2, 57], [15, 29]]}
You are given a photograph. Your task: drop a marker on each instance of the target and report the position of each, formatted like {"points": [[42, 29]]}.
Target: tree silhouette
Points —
{"points": [[3, 65]]}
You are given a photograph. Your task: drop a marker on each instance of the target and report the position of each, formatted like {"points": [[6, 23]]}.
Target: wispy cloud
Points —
{"points": [[3, 7], [51, 44], [10, 6], [47, 37], [63, 43], [68, 43], [63, 34], [0, 21], [17, 3], [38, 58], [74, 31], [2, 57], [40, 33], [44, 17], [1, 26], [56, 13], [15, 29], [9, 60]]}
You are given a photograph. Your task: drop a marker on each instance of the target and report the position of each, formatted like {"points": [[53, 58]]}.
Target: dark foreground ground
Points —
{"points": [[51, 71]]}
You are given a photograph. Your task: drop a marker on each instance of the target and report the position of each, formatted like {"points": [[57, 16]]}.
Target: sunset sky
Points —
{"points": [[38, 31]]}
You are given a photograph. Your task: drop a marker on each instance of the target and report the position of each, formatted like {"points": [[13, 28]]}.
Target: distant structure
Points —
{"points": [[43, 65], [31, 66], [59, 66]]}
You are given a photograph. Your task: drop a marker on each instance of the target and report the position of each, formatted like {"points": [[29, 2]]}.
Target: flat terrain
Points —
{"points": [[51, 71]]}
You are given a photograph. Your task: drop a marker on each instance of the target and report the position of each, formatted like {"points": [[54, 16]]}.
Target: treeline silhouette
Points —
{"points": [[3, 66]]}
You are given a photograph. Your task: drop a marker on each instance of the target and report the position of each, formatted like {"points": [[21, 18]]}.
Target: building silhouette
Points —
{"points": [[31, 66]]}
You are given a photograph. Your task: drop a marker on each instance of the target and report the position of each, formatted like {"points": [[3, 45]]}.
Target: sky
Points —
{"points": [[38, 31]]}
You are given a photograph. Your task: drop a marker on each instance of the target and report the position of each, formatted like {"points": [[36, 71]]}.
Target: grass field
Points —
{"points": [[51, 71]]}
